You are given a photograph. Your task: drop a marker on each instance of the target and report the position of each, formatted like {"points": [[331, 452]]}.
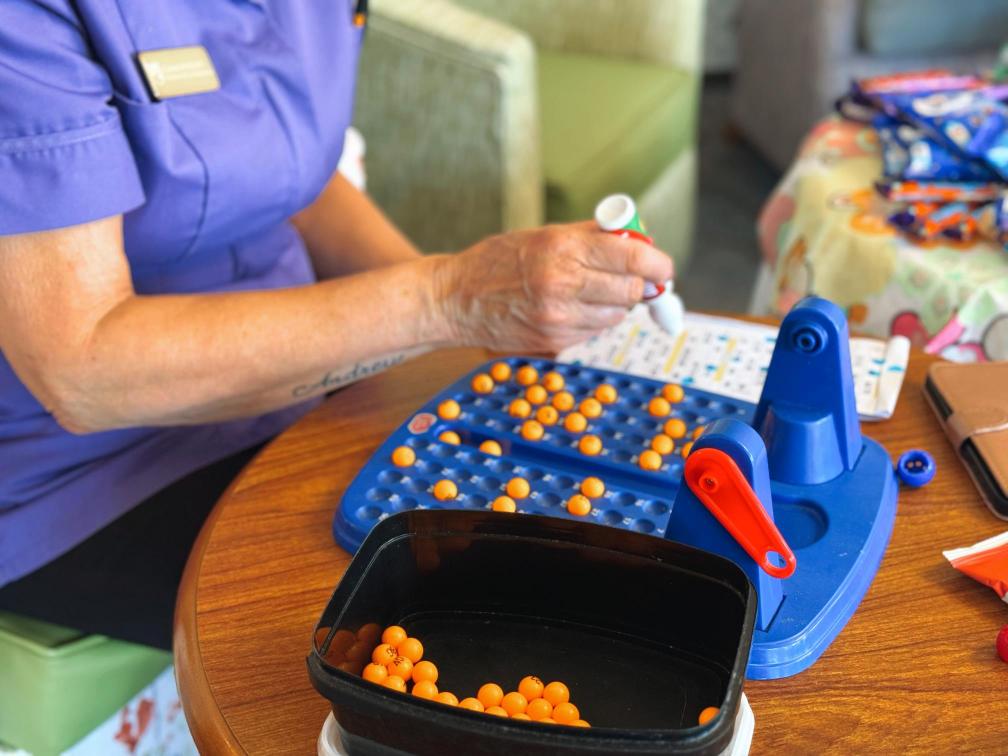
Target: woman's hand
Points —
{"points": [[544, 289]]}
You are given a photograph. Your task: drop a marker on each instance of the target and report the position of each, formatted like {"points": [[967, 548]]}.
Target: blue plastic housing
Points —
{"points": [[838, 531], [834, 503]]}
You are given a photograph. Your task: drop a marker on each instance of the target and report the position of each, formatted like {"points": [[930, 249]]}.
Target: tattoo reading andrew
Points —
{"points": [[334, 379]]}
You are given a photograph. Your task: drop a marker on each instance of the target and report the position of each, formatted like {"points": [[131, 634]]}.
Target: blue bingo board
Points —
{"points": [[635, 499], [830, 492]]}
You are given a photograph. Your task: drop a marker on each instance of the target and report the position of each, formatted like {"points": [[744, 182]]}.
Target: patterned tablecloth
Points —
{"points": [[824, 231]]}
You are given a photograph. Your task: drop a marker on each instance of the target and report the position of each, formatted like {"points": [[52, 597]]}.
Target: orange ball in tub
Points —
{"points": [[556, 693], [395, 682], [425, 670], [539, 709], [514, 703], [425, 689], [412, 649], [375, 673], [401, 667], [531, 687], [394, 635], [384, 654], [566, 712], [490, 694]]}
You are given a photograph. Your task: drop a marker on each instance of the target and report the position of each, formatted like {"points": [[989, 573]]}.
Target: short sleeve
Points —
{"points": [[64, 156]]}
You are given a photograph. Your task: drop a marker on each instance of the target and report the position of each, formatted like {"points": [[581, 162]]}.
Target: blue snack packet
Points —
{"points": [[968, 122]]}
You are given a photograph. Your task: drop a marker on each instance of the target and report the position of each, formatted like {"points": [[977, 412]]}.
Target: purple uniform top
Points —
{"points": [[206, 183]]}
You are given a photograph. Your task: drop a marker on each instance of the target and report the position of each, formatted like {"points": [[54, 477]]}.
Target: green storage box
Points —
{"points": [[56, 684]]}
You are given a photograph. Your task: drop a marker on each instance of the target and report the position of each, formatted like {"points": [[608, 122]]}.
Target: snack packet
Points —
{"points": [[986, 562], [992, 219], [938, 191], [969, 121], [951, 217], [909, 215]]}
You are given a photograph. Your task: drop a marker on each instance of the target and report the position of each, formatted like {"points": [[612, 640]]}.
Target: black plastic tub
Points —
{"points": [[645, 632]]}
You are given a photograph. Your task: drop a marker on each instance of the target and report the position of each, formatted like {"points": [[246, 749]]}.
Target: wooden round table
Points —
{"points": [[914, 670]]}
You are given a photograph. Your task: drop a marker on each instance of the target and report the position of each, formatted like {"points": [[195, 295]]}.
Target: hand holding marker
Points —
{"points": [[617, 214]]}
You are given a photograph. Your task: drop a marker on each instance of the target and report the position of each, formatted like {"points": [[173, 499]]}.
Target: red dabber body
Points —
{"points": [[617, 214]]}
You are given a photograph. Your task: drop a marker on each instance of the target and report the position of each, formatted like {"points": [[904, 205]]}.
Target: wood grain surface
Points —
{"points": [[914, 671]]}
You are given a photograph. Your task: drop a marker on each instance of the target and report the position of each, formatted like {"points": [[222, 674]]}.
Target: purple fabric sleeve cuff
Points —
{"points": [[67, 178]]}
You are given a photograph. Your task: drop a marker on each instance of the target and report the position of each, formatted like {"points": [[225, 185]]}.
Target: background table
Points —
{"points": [[824, 230], [914, 670]]}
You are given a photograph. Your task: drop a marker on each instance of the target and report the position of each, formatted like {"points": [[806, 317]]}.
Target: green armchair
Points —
{"points": [[483, 115]]}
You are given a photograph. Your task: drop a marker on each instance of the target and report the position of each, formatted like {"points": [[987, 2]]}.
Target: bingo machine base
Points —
{"points": [[837, 530]]}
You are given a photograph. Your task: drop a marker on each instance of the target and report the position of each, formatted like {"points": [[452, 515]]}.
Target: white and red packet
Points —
{"points": [[986, 562]]}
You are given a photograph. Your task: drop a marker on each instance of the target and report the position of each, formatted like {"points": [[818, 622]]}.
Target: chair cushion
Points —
{"points": [[918, 27], [609, 125]]}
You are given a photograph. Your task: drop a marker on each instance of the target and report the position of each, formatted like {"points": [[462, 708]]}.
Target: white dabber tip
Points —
{"points": [[665, 307]]}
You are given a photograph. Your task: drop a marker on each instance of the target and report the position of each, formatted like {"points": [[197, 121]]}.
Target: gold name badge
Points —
{"points": [[177, 71]]}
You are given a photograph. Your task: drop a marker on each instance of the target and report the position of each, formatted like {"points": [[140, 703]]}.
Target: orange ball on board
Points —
{"points": [[527, 375], [590, 445], [403, 456], [500, 371], [482, 383], [553, 381], [449, 409]]}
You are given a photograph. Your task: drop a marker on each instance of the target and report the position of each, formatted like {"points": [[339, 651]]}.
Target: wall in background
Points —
{"points": [[720, 28]]}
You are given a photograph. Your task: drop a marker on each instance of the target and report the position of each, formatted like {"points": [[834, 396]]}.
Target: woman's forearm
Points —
{"points": [[166, 360], [98, 356]]}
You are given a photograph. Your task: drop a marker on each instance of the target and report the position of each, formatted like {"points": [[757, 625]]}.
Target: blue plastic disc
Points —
{"points": [[916, 468]]}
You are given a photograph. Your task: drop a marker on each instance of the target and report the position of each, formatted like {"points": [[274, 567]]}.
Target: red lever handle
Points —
{"points": [[717, 481]]}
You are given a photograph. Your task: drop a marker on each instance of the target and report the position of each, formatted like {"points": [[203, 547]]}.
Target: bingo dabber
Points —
{"points": [[617, 214]]}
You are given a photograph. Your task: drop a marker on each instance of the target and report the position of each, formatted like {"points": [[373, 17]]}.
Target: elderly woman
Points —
{"points": [[183, 274]]}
